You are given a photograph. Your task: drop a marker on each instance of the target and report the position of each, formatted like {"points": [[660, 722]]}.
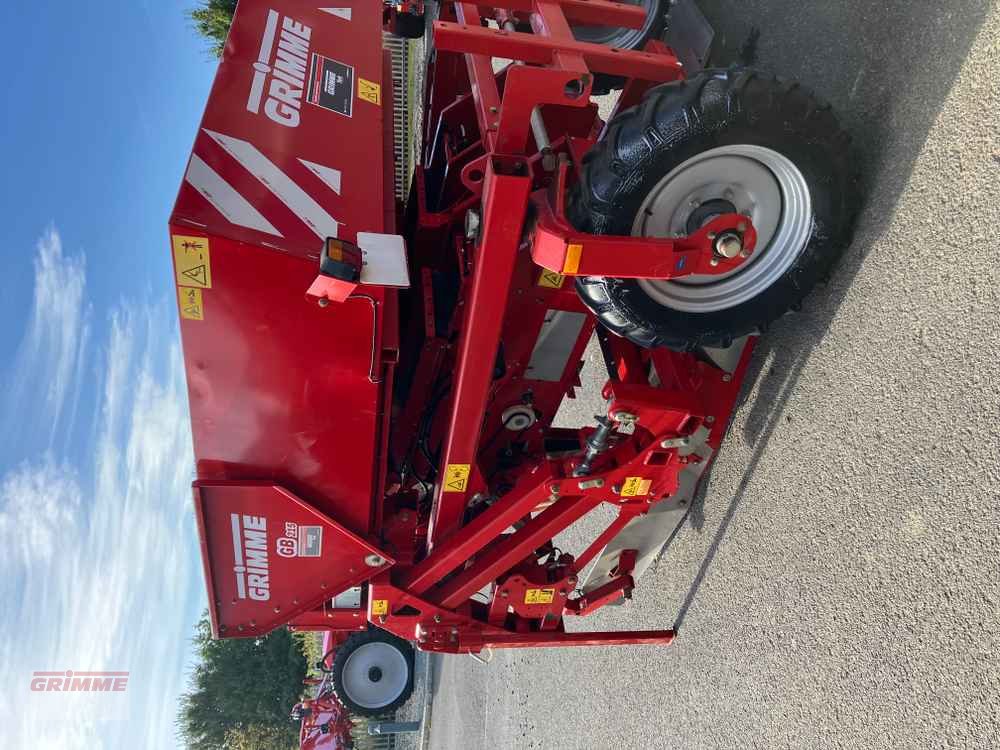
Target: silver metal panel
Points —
{"points": [[350, 599], [727, 359], [650, 532], [555, 343]]}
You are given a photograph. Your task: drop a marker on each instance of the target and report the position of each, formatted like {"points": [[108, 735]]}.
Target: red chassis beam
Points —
{"points": [[540, 50], [578, 12]]}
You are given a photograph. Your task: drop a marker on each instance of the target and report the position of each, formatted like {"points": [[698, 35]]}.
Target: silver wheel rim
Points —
{"points": [[758, 182], [615, 37], [393, 674]]}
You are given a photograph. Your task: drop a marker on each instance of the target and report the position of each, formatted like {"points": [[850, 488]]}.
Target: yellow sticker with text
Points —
{"points": [[539, 596], [551, 279], [636, 487], [456, 477], [192, 262], [192, 306], [380, 606], [370, 91]]}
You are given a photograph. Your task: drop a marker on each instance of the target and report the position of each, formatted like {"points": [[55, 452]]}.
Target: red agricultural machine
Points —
{"points": [[375, 359]]}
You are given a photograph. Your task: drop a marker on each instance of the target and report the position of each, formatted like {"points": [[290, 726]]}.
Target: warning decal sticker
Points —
{"points": [[331, 85], [369, 91], [191, 304], [380, 606], [636, 487], [456, 477], [192, 261], [551, 279], [539, 596]]}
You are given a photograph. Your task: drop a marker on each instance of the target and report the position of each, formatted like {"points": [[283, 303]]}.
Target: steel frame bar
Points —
{"points": [[559, 638], [539, 49], [590, 12], [505, 199], [502, 556], [482, 80], [623, 519], [486, 527], [610, 592]]}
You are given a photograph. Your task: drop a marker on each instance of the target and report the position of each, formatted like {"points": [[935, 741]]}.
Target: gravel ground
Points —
{"points": [[838, 584]]}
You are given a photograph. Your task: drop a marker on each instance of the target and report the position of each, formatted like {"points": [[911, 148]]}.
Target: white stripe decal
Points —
{"points": [[344, 13], [241, 590], [224, 197], [284, 188], [261, 67], [329, 175]]}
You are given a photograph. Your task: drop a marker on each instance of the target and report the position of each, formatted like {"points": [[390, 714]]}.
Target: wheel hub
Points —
{"points": [[375, 675], [754, 181]]}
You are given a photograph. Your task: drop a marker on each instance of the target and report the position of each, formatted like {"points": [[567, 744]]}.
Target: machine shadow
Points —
{"points": [[889, 102]]}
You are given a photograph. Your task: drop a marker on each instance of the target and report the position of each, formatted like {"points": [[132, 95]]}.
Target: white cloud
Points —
{"points": [[102, 557], [56, 340], [37, 506]]}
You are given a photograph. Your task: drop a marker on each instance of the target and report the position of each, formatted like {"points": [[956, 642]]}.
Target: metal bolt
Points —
{"points": [[713, 262], [726, 378], [374, 561], [323, 302], [554, 489], [277, 609], [616, 488], [745, 253], [729, 245], [709, 420], [712, 235], [625, 417], [437, 618], [504, 594]]}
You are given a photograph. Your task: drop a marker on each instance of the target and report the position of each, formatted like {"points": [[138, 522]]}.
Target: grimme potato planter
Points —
{"points": [[374, 359]]}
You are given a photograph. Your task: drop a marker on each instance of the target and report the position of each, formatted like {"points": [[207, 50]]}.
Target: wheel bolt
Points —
{"points": [[728, 245]]}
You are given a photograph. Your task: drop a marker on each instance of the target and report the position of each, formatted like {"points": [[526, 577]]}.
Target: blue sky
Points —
{"points": [[99, 567]]}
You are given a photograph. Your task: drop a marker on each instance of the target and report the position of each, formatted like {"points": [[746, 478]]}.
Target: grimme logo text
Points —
{"points": [[79, 682]]}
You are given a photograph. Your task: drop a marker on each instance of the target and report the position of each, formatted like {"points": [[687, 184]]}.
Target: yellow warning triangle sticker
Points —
{"points": [[198, 274]]}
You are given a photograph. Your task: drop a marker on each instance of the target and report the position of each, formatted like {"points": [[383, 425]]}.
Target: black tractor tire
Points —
{"points": [[350, 647], [678, 121], [408, 25], [656, 18]]}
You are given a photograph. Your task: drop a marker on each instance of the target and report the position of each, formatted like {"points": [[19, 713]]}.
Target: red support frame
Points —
{"points": [[434, 601]]}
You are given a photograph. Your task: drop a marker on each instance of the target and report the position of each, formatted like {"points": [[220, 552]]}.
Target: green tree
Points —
{"points": [[212, 21], [240, 682], [257, 737]]}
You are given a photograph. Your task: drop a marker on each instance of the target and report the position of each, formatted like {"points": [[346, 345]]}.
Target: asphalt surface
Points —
{"points": [[837, 586]]}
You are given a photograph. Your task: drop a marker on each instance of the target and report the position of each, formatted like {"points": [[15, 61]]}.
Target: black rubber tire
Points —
{"points": [[677, 121], [656, 18], [348, 647], [408, 25]]}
